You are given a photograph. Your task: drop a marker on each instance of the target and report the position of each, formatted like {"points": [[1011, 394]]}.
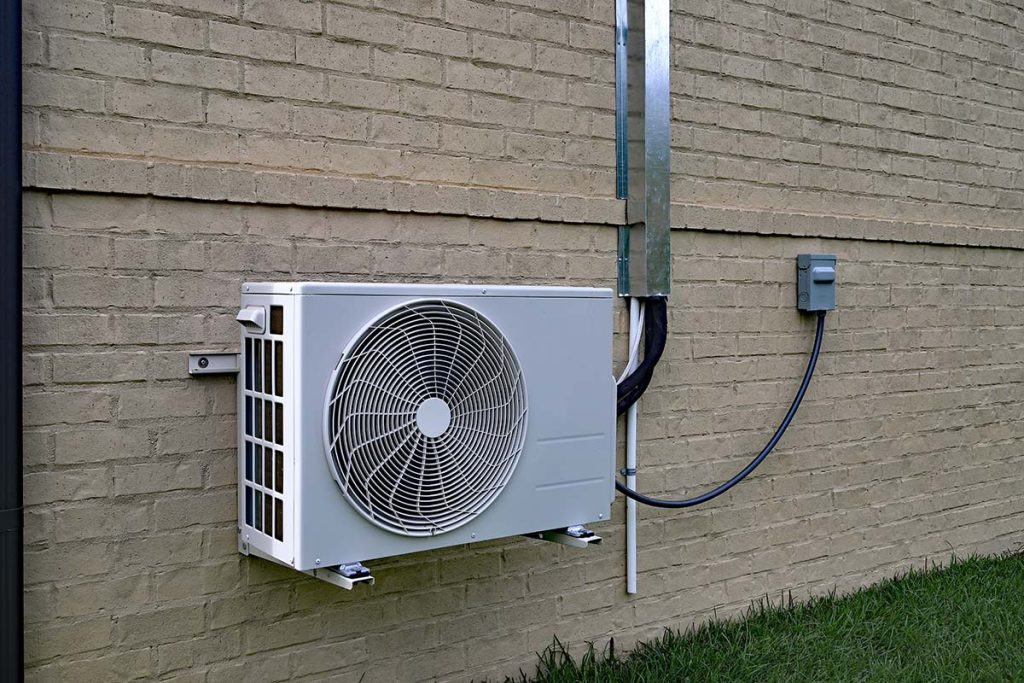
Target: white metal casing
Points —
{"points": [[562, 338]]}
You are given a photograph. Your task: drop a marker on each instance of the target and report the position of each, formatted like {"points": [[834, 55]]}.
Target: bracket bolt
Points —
{"points": [[318, 561], [204, 362]]}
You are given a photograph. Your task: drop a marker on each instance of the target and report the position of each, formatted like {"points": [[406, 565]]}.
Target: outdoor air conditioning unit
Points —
{"points": [[378, 419]]}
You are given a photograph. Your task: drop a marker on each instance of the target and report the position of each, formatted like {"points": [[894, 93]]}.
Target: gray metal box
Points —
{"points": [[562, 338], [816, 282]]}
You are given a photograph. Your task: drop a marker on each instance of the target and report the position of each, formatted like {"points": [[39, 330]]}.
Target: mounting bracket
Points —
{"points": [[213, 363], [577, 536], [346, 576]]}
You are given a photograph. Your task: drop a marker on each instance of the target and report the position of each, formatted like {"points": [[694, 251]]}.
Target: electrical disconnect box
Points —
{"points": [[816, 282]]}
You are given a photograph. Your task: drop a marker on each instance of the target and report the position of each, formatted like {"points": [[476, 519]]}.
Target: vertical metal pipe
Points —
{"points": [[621, 99], [11, 529], [644, 248], [622, 134], [631, 538]]}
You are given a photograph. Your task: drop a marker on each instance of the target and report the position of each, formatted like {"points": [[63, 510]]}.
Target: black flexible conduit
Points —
{"points": [[655, 332], [11, 526], [741, 475]]}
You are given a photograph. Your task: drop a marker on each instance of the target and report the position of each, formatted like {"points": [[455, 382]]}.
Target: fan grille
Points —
{"points": [[425, 417]]}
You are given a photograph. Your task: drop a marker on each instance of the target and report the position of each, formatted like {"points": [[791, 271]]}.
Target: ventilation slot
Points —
{"points": [[264, 428], [426, 418]]}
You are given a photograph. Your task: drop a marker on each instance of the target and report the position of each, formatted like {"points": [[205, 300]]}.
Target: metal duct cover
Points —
{"points": [[425, 419]]}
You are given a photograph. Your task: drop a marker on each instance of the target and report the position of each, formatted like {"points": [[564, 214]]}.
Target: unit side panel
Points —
{"points": [[266, 472], [565, 476]]}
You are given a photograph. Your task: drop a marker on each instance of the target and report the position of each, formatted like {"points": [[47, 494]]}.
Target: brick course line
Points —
{"points": [[130, 177]]}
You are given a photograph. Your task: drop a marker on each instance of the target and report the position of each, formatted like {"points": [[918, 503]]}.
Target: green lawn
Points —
{"points": [[963, 622]]}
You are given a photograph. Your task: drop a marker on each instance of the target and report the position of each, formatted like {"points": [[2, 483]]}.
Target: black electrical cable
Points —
{"points": [[741, 475]]}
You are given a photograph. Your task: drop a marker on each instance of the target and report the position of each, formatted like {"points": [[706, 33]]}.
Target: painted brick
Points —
{"points": [[98, 444], [185, 69], [563, 61], [62, 251], [472, 140], [538, 27], [407, 66], [71, 53], [251, 42], [104, 368], [78, 15], [331, 54], [247, 113], [370, 27], [48, 89], [437, 40], [227, 8], [158, 27], [68, 485], [502, 51], [393, 129], [152, 477], [157, 102], [362, 93], [159, 626], [330, 123], [279, 81], [468, 76], [301, 14], [33, 48], [476, 15], [83, 636], [72, 290], [419, 8], [387, 143]]}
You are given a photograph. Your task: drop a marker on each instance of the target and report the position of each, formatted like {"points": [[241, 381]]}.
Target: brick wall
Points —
{"points": [[176, 149]]}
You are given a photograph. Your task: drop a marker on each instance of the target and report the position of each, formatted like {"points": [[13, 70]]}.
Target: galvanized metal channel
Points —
{"points": [[643, 145]]}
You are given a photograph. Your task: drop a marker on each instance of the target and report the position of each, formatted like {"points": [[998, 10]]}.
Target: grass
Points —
{"points": [[961, 622]]}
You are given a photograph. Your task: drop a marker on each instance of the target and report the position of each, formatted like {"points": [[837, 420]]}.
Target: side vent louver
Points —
{"points": [[263, 364]]}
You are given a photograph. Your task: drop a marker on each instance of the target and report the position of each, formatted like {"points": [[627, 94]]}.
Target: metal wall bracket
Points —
{"points": [[213, 363], [577, 536], [346, 576]]}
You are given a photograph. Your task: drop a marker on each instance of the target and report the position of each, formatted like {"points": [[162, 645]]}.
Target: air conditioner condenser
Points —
{"points": [[378, 419]]}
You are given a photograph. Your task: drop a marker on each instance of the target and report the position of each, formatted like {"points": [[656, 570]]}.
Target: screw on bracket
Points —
{"points": [[213, 363]]}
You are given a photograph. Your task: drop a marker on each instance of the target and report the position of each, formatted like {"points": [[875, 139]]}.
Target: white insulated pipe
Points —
{"points": [[634, 336]]}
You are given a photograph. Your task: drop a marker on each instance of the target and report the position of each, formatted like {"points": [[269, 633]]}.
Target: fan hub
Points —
{"points": [[433, 417]]}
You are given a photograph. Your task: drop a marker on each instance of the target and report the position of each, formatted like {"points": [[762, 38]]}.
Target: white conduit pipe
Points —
{"points": [[634, 340]]}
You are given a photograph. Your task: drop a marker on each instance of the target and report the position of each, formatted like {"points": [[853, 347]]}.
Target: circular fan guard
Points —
{"points": [[425, 418]]}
